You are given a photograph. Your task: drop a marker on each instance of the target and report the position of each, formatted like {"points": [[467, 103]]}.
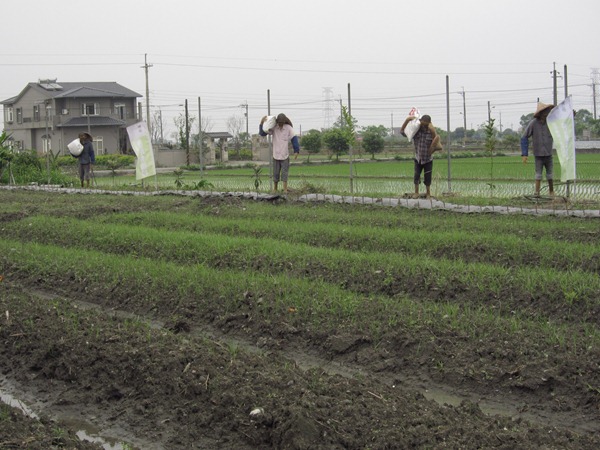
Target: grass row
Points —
{"points": [[541, 292], [507, 250], [168, 289], [381, 218]]}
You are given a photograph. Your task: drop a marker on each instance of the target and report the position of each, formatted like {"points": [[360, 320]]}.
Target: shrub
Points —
{"points": [[113, 160], [28, 167]]}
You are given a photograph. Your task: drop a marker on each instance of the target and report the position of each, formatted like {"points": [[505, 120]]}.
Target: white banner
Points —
{"points": [[562, 127], [142, 146]]}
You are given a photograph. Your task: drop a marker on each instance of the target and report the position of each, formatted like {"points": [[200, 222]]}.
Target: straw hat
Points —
{"points": [[541, 107]]}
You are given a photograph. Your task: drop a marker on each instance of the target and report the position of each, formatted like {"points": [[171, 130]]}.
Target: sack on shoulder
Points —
{"points": [[75, 147], [412, 127]]}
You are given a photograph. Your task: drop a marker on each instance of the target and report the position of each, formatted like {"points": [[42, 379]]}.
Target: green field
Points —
{"points": [[500, 177]]}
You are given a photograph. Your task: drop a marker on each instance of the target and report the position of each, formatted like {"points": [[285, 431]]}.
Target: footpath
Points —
{"points": [[419, 203]]}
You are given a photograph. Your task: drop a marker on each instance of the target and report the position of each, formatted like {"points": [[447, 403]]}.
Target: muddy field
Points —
{"points": [[159, 365]]}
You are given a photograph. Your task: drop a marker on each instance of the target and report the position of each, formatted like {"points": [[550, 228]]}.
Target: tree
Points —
{"points": [[199, 140], [584, 120], [234, 126], [312, 142], [459, 133], [490, 147], [336, 141], [511, 142], [374, 139], [525, 120], [6, 156], [340, 138], [157, 127], [183, 133]]}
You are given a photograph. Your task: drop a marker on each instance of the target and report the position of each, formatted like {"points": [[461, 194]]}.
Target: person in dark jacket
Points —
{"points": [[86, 159], [539, 132]]}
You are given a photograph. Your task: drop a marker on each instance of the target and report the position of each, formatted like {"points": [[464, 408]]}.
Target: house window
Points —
{"points": [[46, 144], [14, 145], [19, 112], [89, 109], [99, 145], [9, 114], [36, 113], [120, 110]]}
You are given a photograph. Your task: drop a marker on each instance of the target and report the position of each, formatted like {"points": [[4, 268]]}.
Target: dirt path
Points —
{"points": [[104, 428]]}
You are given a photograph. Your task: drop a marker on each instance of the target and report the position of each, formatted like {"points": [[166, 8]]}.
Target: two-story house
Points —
{"points": [[47, 115]]}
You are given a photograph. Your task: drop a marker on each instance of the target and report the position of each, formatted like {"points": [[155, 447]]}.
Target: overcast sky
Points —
{"points": [[394, 54]]}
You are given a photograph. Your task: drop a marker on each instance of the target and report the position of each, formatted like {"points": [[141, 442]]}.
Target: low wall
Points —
{"points": [[587, 146]]}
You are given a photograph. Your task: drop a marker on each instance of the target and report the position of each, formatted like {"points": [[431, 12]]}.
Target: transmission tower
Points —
{"points": [[327, 107]]}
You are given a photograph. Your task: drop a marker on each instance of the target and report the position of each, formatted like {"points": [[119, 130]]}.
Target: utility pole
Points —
{"points": [[245, 105], [200, 134], [554, 88], [566, 84], [146, 66], [448, 128], [327, 107], [187, 134], [595, 77], [48, 141], [594, 94], [270, 140], [464, 117], [162, 139], [350, 149]]}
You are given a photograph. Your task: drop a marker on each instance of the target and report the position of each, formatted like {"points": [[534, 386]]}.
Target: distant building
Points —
{"points": [[47, 115]]}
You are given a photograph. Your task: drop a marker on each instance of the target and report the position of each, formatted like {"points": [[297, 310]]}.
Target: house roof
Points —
{"points": [[219, 135], [86, 89], [94, 121]]}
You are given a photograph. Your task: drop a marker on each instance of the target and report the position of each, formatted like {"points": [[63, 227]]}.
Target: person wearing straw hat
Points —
{"points": [[426, 142], [540, 134], [86, 159]]}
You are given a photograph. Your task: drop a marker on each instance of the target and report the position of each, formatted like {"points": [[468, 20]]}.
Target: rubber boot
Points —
{"points": [[416, 194]]}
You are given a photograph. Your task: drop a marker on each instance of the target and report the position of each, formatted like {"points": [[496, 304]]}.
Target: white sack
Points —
{"points": [[269, 124], [75, 147], [413, 126]]}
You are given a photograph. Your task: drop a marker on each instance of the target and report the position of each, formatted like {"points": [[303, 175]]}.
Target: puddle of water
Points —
{"points": [[16, 403], [442, 398], [85, 431]]}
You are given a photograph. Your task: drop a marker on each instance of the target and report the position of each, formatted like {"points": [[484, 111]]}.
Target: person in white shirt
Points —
{"points": [[283, 133]]}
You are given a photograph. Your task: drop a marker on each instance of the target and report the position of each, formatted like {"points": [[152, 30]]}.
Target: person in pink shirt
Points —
{"points": [[283, 133]]}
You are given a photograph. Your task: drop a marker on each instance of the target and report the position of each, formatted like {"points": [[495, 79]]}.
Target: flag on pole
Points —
{"points": [[142, 146], [562, 127]]}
